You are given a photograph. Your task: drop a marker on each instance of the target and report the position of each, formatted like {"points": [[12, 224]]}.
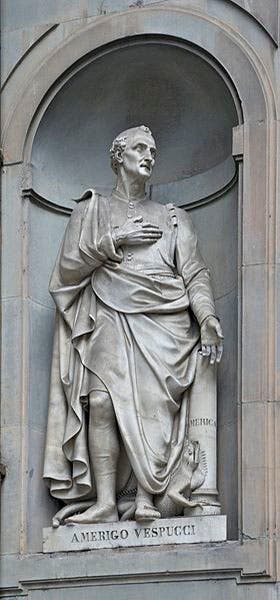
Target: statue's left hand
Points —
{"points": [[212, 339]]}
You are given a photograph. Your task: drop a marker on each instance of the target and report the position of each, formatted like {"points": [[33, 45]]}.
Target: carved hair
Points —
{"points": [[119, 144]]}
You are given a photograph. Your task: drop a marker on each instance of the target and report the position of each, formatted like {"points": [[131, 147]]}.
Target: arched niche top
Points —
{"points": [[149, 80], [223, 44]]}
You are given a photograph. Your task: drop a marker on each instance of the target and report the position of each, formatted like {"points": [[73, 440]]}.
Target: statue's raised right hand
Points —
{"points": [[135, 231]]}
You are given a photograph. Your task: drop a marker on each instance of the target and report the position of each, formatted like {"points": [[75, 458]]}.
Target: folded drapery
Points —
{"points": [[134, 330]]}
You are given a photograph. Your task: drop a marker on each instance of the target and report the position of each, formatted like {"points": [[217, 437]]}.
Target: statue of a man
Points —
{"points": [[134, 307]]}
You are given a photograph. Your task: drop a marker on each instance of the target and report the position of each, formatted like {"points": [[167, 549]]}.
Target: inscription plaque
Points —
{"points": [[181, 530]]}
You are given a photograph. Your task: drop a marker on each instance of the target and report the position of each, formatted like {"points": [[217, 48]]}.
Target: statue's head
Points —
{"points": [[133, 151]]}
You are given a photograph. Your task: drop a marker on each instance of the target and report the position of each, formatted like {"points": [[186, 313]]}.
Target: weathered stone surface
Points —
{"points": [[265, 13], [124, 534], [249, 438]]}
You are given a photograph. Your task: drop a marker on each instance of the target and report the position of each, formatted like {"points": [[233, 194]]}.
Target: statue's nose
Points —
{"points": [[148, 155], [151, 160]]}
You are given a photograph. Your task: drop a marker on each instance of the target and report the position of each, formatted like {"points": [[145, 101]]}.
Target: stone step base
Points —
{"points": [[181, 530]]}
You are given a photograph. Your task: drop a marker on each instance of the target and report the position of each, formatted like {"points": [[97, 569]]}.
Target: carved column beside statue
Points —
{"points": [[203, 427], [132, 414]]}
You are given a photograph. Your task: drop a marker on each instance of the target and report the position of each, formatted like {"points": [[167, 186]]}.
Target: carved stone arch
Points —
{"points": [[193, 26]]}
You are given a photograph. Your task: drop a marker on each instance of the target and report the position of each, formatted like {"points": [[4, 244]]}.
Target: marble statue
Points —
{"points": [[135, 313]]}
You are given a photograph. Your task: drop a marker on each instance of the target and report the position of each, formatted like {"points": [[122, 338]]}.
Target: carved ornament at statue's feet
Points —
{"points": [[146, 512]]}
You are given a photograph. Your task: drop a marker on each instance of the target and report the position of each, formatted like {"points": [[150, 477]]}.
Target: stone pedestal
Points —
{"points": [[67, 538]]}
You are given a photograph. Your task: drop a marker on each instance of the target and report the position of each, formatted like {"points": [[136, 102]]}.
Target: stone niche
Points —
{"points": [[191, 108]]}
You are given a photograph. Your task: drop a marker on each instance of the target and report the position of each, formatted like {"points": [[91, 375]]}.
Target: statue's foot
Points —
{"points": [[193, 504], [96, 514], [69, 509], [126, 510], [146, 512]]}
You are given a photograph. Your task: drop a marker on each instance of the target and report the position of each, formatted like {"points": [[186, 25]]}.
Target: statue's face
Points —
{"points": [[138, 157]]}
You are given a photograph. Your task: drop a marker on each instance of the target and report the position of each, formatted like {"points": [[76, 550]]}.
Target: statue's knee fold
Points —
{"points": [[100, 404]]}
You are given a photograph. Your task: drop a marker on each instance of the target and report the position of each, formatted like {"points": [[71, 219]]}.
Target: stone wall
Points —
{"points": [[205, 77]]}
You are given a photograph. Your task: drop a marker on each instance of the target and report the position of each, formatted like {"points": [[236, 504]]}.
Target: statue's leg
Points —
{"points": [[104, 452], [145, 509]]}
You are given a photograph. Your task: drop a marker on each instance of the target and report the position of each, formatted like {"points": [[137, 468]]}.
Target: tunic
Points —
{"points": [[127, 321]]}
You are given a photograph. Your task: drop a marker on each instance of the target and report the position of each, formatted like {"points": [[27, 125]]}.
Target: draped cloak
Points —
{"points": [[128, 319]]}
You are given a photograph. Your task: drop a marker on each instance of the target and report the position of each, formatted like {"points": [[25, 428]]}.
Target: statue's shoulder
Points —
{"points": [[87, 195], [182, 213], [161, 209], [90, 200], [183, 216], [180, 218], [176, 215]]}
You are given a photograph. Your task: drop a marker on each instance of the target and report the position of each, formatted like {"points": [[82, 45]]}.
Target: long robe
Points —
{"points": [[128, 319]]}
